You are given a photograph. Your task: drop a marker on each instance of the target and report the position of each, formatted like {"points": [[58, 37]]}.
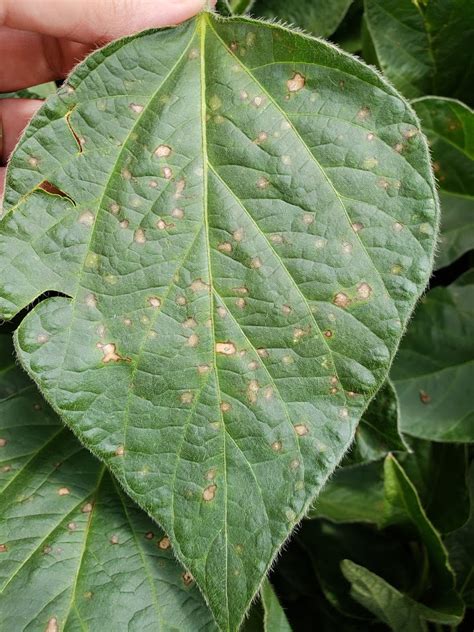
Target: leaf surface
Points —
{"points": [[433, 370], [239, 246], [75, 552], [425, 48], [449, 125]]}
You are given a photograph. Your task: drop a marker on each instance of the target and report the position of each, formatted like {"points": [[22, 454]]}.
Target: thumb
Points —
{"points": [[92, 21]]}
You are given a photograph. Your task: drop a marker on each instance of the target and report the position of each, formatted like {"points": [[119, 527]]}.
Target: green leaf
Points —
{"points": [[398, 611], [222, 209], [460, 545], [275, 618], [233, 7], [433, 369], [402, 507], [319, 17], [378, 433], [75, 552], [449, 126], [353, 494], [425, 48]]}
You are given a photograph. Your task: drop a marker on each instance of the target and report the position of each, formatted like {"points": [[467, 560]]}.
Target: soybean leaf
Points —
{"points": [[378, 433], [399, 611], [402, 507], [449, 126], [41, 91], [354, 494], [327, 544], [460, 545], [425, 48], [233, 7], [274, 616], [75, 552], [319, 17], [239, 247], [433, 370]]}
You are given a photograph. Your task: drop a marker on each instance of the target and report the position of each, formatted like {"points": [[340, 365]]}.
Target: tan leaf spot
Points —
{"points": [[341, 300], [52, 625], [301, 430], [226, 348], [164, 543], [154, 301], [296, 83], [87, 508], [209, 493], [225, 247], [64, 491], [364, 291], [162, 151], [187, 397]]}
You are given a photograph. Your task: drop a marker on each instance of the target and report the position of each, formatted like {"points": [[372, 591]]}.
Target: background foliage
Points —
{"points": [[389, 544]]}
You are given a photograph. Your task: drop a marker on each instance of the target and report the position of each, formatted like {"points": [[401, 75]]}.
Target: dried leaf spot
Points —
{"points": [[124, 223], [87, 508], [288, 360], [42, 338], [424, 397], [364, 291], [346, 247], [252, 391], [187, 397], [114, 208], [3, 548], [290, 515], [240, 303], [91, 300], [187, 578], [86, 219], [154, 302], [167, 173], [357, 226], [149, 535], [120, 451], [296, 82], [164, 543], [126, 174], [215, 103], [344, 413], [181, 300], [298, 333], [110, 353], [177, 213], [276, 446], [263, 353], [263, 183], [162, 151], [258, 101], [72, 526], [139, 236], [225, 247], [114, 539], [211, 474], [286, 310], [52, 625], [135, 107], [397, 227], [308, 218], [209, 493], [256, 263], [162, 225], [286, 160], [179, 188], [225, 348], [363, 113], [261, 138], [190, 323], [294, 465], [225, 407], [33, 162], [370, 136], [301, 430], [398, 147], [328, 333], [64, 491], [238, 234], [341, 300], [193, 340], [370, 163], [198, 285]]}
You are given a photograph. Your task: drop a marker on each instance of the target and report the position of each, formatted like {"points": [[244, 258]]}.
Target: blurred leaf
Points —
{"points": [[368, 49], [425, 48], [319, 17], [377, 432], [449, 125], [433, 369], [398, 611], [233, 7], [327, 544], [274, 618], [76, 553], [438, 471], [353, 494], [41, 91], [460, 545], [403, 507]]}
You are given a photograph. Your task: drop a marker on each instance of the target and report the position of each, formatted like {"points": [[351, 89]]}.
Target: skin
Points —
{"points": [[42, 40]]}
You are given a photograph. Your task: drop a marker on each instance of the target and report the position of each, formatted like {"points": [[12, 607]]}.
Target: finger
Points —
{"points": [[89, 21], [14, 117], [34, 58], [2, 186]]}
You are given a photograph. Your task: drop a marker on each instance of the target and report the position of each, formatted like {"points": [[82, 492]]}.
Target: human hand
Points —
{"points": [[41, 40]]}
